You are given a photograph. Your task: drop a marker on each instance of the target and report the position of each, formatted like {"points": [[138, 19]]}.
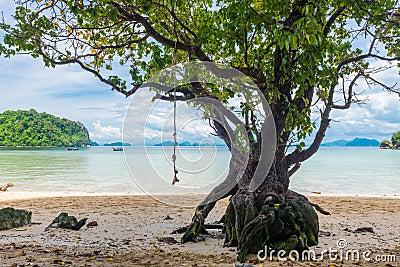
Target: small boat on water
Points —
{"points": [[72, 148], [118, 149]]}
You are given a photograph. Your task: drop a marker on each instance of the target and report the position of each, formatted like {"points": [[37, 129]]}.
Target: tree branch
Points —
{"points": [[332, 19], [365, 56], [160, 38], [349, 98]]}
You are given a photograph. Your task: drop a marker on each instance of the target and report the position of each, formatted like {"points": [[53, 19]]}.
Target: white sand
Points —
{"points": [[130, 225]]}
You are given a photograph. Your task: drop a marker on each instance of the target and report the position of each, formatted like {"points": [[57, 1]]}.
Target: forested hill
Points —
{"points": [[31, 128], [393, 143]]}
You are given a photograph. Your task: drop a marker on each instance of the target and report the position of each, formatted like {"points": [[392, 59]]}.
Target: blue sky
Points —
{"points": [[64, 91], [68, 91]]}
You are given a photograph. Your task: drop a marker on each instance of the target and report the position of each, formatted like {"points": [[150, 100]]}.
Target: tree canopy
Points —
{"points": [[299, 53], [396, 139], [31, 128]]}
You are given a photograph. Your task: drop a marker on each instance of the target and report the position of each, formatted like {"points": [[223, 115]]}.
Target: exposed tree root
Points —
{"points": [[293, 194], [253, 221], [288, 225], [321, 210]]}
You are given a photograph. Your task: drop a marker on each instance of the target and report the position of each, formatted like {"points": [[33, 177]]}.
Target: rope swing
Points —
{"points": [[174, 134]]}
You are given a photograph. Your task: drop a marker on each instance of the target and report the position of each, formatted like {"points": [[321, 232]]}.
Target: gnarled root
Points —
{"points": [[289, 224], [293, 194], [195, 228], [197, 225]]}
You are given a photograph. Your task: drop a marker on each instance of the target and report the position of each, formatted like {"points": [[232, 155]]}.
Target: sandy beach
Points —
{"points": [[130, 227]]}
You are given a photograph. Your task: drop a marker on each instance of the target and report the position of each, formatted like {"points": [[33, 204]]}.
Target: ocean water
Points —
{"points": [[364, 171], [332, 171]]}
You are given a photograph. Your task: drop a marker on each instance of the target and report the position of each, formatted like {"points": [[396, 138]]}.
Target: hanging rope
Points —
{"points": [[174, 134]]}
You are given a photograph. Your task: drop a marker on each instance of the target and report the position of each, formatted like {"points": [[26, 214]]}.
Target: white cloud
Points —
{"points": [[153, 121], [377, 119], [66, 91], [73, 93], [105, 133], [384, 103]]}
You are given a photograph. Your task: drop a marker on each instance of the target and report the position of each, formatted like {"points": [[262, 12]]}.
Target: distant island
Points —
{"points": [[394, 143], [92, 143], [354, 142], [118, 144], [29, 128], [186, 143]]}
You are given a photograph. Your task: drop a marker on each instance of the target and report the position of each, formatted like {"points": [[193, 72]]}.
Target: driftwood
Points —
{"points": [[11, 218], [360, 230], [67, 222], [5, 187], [183, 229], [169, 240], [92, 224]]}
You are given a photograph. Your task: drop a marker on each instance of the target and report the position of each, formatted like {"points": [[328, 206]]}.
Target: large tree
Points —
{"points": [[302, 55]]}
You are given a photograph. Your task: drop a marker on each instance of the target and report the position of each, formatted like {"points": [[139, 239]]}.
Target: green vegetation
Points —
{"points": [[396, 139], [31, 128], [386, 144], [394, 143]]}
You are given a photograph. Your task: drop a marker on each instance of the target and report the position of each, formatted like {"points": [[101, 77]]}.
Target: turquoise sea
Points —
{"points": [[332, 171]]}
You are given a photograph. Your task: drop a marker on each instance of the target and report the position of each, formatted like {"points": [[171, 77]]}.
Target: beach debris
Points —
{"points": [[61, 262], [92, 224], [126, 241], [5, 187], [168, 218], [12, 218], [21, 229], [364, 230], [167, 239], [325, 233], [57, 249], [67, 222], [360, 230]]}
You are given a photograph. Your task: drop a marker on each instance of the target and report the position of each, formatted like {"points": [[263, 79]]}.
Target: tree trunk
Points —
{"points": [[272, 216]]}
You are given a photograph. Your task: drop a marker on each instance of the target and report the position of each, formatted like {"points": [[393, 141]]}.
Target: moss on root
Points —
{"points": [[286, 225]]}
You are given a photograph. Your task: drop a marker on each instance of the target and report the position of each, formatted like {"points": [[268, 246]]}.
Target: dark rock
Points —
{"points": [[385, 146], [169, 240], [324, 233], [364, 230], [68, 222], [11, 218], [168, 218], [360, 230], [5, 187]]}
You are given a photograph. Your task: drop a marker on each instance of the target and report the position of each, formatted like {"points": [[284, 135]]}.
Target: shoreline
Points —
{"points": [[11, 195]]}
